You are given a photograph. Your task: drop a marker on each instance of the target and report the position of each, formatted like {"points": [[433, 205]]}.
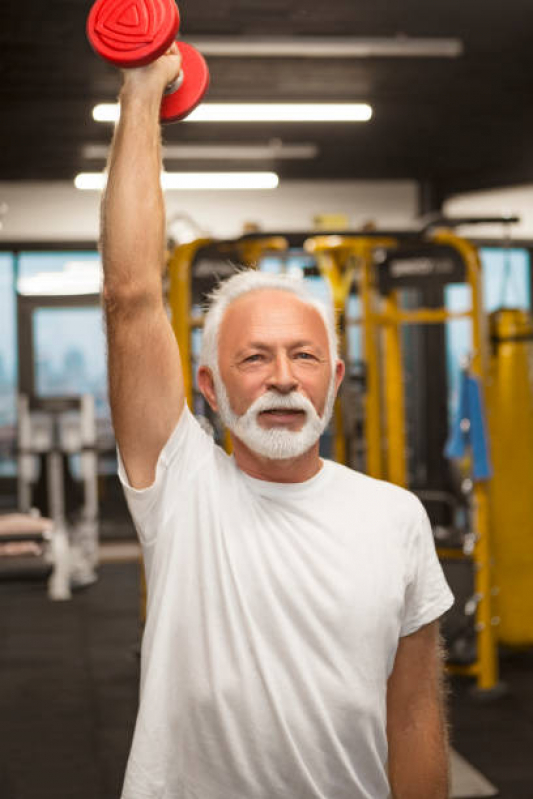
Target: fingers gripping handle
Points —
{"points": [[189, 88]]}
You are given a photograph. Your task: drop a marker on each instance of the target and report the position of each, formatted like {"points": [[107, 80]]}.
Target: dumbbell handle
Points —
{"points": [[175, 84], [189, 87]]}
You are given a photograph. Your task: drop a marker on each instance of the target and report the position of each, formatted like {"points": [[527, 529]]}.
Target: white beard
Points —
{"points": [[276, 443]]}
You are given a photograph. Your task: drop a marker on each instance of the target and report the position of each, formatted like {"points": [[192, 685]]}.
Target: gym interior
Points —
{"points": [[381, 151]]}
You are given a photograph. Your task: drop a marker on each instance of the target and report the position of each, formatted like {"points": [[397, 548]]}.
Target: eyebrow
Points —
{"points": [[260, 345]]}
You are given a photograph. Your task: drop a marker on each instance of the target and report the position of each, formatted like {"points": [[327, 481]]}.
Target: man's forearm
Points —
{"points": [[133, 218], [418, 757], [417, 729]]}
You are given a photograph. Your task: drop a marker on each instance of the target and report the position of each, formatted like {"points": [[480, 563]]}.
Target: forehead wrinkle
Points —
{"points": [[259, 329]]}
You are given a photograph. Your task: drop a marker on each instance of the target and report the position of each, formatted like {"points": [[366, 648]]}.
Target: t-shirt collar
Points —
{"points": [[267, 488]]}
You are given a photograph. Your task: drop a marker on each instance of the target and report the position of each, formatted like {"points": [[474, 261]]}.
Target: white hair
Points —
{"points": [[246, 281]]}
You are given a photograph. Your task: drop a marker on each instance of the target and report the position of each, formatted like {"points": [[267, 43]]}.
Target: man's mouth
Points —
{"points": [[282, 416], [283, 412]]}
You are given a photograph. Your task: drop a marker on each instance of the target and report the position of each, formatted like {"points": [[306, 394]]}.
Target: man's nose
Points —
{"points": [[282, 377]]}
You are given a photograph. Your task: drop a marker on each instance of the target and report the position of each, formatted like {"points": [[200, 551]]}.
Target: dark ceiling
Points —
{"points": [[452, 124]]}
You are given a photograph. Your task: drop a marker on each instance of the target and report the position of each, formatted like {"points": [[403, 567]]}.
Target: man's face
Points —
{"points": [[277, 385]]}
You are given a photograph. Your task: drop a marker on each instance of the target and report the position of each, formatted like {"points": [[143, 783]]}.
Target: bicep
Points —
{"points": [[145, 382]]}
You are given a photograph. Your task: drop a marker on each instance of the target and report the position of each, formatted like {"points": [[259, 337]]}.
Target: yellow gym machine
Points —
{"points": [[356, 263], [348, 262]]}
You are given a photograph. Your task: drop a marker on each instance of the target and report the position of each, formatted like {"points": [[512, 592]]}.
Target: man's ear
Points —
{"points": [[340, 369], [206, 385]]}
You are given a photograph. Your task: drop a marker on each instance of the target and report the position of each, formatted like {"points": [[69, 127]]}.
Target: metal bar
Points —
{"points": [[394, 396], [340, 281], [180, 305], [420, 316], [371, 355], [354, 255], [487, 677], [464, 669]]}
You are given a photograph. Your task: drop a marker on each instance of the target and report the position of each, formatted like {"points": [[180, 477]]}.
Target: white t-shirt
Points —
{"points": [[274, 613]]}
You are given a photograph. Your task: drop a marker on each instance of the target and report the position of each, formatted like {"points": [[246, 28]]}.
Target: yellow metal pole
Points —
{"points": [[252, 250], [350, 256], [179, 298], [373, 427], [340, 277], [487, 675], [394, 395]]}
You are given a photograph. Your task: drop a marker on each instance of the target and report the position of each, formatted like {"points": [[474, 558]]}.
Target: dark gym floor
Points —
{"points": [[68, 692]]}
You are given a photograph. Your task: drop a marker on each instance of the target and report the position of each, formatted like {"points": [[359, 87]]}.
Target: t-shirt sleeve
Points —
{"points": [[185, 451], [427, 594]]}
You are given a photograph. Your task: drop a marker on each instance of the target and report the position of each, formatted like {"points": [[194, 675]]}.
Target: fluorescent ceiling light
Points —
{"points": [[220, 152], [106, 112], [219, 180], [281, 112], [192, 180], [90, 181], [260, 112], [328, 47]]}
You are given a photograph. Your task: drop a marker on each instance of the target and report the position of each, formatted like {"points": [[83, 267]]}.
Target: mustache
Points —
{"points": [[280, 402]]}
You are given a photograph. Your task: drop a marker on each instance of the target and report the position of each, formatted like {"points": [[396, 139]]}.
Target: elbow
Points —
{"points": [[130, 298]]}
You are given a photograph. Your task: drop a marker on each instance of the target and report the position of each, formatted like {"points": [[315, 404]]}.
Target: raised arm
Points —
{"points": [[145, 378], [416, 718]]}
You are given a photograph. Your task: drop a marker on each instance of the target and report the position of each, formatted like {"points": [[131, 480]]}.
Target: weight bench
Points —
{"points": [[32, 546]]}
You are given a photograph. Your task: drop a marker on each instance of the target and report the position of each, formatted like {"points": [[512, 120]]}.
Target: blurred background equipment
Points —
{"points": [[395, 412], [50, 433]]}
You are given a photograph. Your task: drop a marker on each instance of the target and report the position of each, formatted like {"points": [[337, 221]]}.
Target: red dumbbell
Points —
{"points": [[132, 33]]}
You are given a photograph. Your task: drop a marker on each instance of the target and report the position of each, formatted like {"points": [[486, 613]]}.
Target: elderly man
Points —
{"points": [[291, 648]]}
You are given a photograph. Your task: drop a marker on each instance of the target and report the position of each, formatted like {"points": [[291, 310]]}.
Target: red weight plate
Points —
{"points": [[132, 33], [195, 84]]}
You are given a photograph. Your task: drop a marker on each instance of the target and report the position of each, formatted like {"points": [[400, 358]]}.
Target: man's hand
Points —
{"points": [[152, 78], [416, 718]]}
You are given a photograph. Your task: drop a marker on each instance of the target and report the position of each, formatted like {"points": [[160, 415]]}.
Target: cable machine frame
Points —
{"points": [[345, 260]]}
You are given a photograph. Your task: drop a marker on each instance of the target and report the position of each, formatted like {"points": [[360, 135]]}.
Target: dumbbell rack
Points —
{"points": [[57, 427], [25, 540]]}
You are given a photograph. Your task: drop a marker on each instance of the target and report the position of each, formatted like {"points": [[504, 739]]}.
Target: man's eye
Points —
{"points": [[251, 358], [305, 355]]}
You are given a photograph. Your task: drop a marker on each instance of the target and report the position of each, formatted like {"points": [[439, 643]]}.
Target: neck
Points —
{"points": [[287, 470]]}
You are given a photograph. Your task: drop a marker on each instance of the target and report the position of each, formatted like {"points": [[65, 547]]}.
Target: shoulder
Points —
{"points": [[379, 496]]}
